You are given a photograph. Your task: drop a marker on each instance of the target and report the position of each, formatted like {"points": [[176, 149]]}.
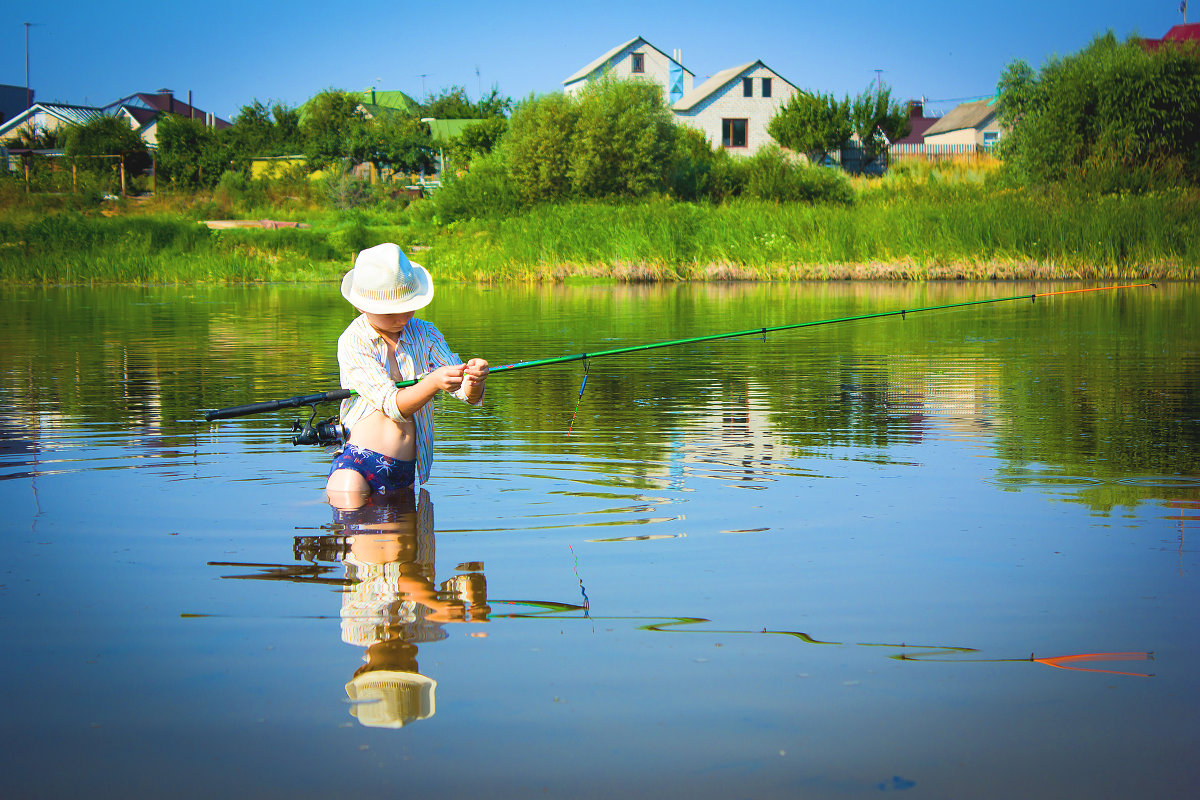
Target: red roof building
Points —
{"points": [[918, 123], [1187, 32]]}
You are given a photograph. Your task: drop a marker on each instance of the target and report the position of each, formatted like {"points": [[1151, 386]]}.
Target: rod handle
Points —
{"points": [[275, 405]]}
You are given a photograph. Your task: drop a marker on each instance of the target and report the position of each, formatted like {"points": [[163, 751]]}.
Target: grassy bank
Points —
{"points": [[895, 229]]}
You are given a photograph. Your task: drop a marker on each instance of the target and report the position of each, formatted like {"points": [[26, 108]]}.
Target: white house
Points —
{"points": [[974, 123], [637, 58], [734, 107]]}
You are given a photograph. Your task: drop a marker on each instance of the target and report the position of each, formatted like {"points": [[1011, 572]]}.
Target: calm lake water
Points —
{"points": [[842, 560]]}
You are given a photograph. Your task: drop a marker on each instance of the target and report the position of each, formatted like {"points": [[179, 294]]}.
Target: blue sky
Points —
{"points": [[231, 53]]}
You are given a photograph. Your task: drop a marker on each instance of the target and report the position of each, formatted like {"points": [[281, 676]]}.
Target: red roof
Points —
{"points": [[1189, 32], [918, 122]]}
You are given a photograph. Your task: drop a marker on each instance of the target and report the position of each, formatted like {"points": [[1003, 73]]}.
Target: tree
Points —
{"points": [[453, 103], [623, 140], [477, 139], [190, 154], [106, 136], [812, 124], [1112, 117], [537, 146], [877, 119], [332, 126], [399, 142]]}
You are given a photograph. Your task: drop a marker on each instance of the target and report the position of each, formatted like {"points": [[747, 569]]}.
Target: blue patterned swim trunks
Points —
{"points": [[382, 473]]}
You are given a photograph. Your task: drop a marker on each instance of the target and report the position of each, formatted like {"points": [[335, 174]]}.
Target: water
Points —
{"points": [[816, 565]]}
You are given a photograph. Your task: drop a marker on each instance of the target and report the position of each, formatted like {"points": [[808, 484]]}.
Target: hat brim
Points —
{"points": [[421, 299]]}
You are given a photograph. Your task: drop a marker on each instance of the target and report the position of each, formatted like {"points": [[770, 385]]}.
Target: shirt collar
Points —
{"points": [[405, 335]]}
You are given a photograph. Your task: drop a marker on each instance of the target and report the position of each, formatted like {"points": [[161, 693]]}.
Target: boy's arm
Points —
{"points": [[362, 371], [472, 373]]}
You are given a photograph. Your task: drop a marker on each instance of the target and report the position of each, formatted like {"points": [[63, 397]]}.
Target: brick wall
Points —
{"points": [[729, 103]]}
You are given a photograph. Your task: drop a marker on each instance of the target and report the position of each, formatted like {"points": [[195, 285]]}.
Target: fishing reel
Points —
{"points": [[323, 434]]}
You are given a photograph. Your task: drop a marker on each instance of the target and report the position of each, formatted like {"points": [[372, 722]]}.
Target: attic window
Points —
{"points": [[733, 133], [766, 87], [747, 87], [639, 62]]}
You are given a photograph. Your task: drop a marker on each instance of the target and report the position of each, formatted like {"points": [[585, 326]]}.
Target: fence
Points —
{"points": [[935, 152]]}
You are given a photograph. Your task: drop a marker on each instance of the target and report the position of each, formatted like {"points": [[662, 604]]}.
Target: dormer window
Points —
{"points": [[639, 62]]}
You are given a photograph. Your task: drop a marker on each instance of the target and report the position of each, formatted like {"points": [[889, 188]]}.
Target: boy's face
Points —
{"points": [[389, 323]]}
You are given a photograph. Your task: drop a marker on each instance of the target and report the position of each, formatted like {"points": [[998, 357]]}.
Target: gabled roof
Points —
{"points": [[718, 82], [393, 99], [72, 115], [604, 59], [965, 115], [162, 102]]}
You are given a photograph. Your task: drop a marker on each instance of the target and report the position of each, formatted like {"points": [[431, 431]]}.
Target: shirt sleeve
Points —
{"points": [[362, 371], [440, 355]]}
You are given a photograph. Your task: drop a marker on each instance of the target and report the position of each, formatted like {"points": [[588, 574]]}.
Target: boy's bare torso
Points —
{"points": [[380, 432]]}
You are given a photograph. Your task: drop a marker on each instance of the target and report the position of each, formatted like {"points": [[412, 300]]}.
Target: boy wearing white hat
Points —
{"points": [[391, 429]]}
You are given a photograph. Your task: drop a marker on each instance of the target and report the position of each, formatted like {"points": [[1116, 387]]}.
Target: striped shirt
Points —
{"points": [[363, 361]]}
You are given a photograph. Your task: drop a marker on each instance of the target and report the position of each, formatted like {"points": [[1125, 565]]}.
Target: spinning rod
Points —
{"points": [[342, 394]]}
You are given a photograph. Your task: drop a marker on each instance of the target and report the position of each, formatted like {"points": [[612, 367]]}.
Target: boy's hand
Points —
{"points": [[449, 377], [476, 372]]}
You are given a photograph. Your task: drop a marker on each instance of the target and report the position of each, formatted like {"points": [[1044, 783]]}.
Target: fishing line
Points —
{"points": [[582, 386]]}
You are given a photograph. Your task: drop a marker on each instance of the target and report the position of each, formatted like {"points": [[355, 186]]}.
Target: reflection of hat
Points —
{"points": [[384, 281], [384, 698]]}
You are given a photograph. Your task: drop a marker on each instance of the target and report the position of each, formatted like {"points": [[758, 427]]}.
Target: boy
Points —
{"points": [[391, 430]]}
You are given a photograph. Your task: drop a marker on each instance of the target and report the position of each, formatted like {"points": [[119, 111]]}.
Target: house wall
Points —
{"points": [[657, 70], [728, 103], [967, 135]]}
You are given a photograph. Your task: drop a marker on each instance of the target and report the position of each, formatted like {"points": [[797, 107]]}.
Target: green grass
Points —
{"points": [[918, 223]]}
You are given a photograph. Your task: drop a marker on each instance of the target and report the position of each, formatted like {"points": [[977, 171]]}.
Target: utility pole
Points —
{"points": [[878, 77], [28, 91], [424, 95]]}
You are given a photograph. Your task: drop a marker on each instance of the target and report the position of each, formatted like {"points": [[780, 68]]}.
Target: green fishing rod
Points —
{"points": [[342, 394]]}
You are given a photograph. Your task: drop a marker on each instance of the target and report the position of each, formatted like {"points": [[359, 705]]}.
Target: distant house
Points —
{"points": [[47, 118], [734, 107], [637, 58], [919, 124], [144, 109], [974, 123], [1180, 34], [376, 104]]}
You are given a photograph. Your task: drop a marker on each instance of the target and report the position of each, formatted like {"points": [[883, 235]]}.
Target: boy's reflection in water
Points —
{"points": [[392, 604]]}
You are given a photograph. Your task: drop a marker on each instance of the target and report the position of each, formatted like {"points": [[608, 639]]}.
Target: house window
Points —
{"points": [[733, 132], [766, 87], [990, 138], [747, 87], [639, 62]]}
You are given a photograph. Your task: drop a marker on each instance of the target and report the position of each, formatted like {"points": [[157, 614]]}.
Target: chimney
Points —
{"points": [[191, 114], [170, 96], [916, 109], [372, 95]]}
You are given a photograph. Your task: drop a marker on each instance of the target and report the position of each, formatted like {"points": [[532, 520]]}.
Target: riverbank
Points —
{"points": [[918, 233]]}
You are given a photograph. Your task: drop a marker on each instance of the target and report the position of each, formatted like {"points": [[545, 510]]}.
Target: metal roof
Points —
{"points": [[965, 115]]}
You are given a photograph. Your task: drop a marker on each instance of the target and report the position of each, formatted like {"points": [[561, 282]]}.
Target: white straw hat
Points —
{"points": [[384, 281], [390, 699]]}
